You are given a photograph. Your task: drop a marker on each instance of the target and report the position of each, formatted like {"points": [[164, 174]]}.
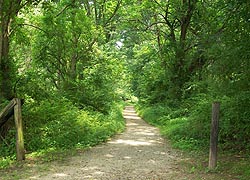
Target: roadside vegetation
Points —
{"points": [[60, 126], [185, 67], [193, 140], [73, 62], [65, 66]]}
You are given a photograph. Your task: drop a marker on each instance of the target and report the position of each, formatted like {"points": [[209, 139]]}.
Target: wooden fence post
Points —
{"points": [[214, 135], [19, 136]]}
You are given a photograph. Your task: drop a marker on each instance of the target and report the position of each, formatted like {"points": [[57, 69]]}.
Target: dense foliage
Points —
{"points": [[61, 58], [191, 54], [72, 61]]}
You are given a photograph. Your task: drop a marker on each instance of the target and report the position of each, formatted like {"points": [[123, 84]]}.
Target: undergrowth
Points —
{"points": [[51, 126], [188, 127]]}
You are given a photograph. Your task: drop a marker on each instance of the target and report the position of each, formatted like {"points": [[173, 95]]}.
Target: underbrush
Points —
{"points": [[59, 125], [173, 124], [188, 127]]}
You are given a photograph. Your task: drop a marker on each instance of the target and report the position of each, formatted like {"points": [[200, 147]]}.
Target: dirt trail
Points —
{"points": [[137, 154]]}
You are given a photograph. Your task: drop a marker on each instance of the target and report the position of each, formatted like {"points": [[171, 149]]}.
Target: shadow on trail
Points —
{"points": [[139, 130], [138, 153], [129, 113]]}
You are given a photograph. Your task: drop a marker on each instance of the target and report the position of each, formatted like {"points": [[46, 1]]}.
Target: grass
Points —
{"points": [[186, 137], [229, 166], [53, 129]]}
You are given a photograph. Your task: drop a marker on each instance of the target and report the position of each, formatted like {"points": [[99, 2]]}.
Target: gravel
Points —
{"points": [[139, 153]]}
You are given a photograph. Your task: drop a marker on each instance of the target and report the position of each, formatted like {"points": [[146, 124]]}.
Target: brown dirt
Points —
{"points": [[139, 153]]}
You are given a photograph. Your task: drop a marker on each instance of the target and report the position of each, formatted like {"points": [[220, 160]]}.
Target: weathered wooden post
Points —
{"points": [[214, 135], [20, 153]]}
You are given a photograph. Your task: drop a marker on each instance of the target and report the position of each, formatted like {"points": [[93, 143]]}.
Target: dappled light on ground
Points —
{"points": [[139, 131], [138, 153], [131, 142], [61, 175], [130, 113], [132, 117]]}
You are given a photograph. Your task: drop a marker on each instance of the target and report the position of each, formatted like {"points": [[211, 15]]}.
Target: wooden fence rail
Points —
{"points": [[14, 108]]}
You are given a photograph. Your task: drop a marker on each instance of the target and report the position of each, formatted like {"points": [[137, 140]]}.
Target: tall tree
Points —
{"points": [[8, 13], [170, 24]]}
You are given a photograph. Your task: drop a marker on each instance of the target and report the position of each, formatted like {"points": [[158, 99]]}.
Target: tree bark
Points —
{"points": [[8, 12], [5, 65], [180, 66], [75, 39]]}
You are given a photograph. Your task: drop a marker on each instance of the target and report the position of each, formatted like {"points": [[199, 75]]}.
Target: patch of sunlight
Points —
{"points": [[89, 168], [99, 173], [131, 142], [88, 176], [41, 152], [127, 157], [60, 175], [109, 155], [34, 177], [132, 124], [95, 170], [160, 153], [133, 117], [145, 133], [129, 111]]}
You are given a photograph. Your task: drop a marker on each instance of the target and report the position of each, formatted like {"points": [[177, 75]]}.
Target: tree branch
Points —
{"points": [[33, 26], [64, 9], [114, 13]]}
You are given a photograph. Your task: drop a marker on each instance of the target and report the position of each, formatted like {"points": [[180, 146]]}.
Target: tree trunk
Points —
{"points": [[180, 66], [8, 11], [75, 39], [5, 64]]}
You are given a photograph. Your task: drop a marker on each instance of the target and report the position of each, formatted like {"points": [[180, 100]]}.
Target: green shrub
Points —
{"points": [[154, 114], [189, 126], [171, 124], [235, 121], [59, 125], [62, 125]]}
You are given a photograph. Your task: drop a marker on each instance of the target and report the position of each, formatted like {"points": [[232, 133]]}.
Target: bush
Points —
{"points": [[155, 115], [189, 126], [64, 126], [59, 125], [235, 121]]}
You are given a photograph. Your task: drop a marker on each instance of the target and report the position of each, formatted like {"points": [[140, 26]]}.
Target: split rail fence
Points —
{"points": [[14, 108]]}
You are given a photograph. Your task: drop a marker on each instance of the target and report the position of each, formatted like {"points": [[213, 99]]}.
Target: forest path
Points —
{"points": [[139, 153]]}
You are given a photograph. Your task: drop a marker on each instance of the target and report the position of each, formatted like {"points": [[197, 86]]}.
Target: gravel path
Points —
{"points": [[137, 154]]}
